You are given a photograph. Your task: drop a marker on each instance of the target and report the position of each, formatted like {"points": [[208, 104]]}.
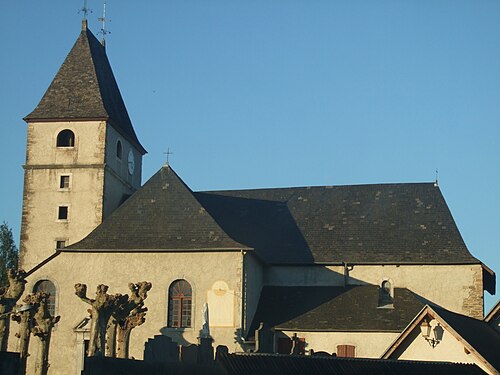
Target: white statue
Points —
{"points": [[205, 329]]}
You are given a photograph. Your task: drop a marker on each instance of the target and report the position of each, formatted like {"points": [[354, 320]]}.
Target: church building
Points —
{"points": [[339, 269]]}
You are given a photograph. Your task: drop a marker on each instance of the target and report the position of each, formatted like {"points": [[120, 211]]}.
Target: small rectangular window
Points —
{"points": [[64, 182], [348, 351], [60, 244], [62, 213]]}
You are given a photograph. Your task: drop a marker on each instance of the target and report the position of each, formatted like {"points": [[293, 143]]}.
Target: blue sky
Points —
{"points": [[271, 93]]}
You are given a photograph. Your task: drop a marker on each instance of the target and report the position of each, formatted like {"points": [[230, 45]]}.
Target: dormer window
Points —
{"points": [[66, 138], [386, 294]]}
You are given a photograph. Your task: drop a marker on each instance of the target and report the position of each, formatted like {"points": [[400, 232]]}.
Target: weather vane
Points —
{"points": [[102, 19], [85, 10], [436, 183], [168, 153]]}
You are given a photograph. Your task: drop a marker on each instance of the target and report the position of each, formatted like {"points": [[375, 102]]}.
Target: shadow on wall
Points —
{"points": [[177, 335], [310, 275]]}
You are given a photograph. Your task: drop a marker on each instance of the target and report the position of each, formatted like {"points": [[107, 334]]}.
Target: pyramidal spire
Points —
{"points": [[85, 88]]}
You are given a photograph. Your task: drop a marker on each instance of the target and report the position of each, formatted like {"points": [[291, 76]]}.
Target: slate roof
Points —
{"points": [[256, 364], [362, 224], [85, 88], [383, 223], [161, 216], [333, 308]]}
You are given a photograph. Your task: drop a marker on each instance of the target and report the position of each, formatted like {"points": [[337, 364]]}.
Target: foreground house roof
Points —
{"points": [[363, 224], [85, 88], [331, 308], [477, 336], [257, 364], [493, 314]]}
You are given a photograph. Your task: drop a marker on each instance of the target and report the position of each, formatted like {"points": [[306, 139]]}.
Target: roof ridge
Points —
{"points": [[317, 187]]}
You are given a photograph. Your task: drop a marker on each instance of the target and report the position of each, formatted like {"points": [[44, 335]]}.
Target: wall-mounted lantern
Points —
{"points": [[432, 334]]}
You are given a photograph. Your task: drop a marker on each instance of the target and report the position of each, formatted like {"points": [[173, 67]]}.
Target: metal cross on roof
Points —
{"points": [[102, 19], [85, 10], [168, 153]]}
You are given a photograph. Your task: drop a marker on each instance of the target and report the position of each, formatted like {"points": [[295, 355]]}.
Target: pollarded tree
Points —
{"points": [[103, 306], [9, 295], [9, 255], [130, 315]]}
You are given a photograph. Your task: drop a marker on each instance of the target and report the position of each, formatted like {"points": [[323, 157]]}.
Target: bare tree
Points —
{"points": [[130, 315], [9, 296], [103, 307], [24, 316], [43, 323]]}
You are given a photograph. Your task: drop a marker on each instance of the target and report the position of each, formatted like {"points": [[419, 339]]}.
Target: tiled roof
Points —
{"points": [[161, 216], [85, 88], [385, 223], [331, 308], [260, 364]]}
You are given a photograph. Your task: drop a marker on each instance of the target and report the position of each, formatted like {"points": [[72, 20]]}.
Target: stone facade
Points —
{"points": [[210, 282], [473, 303], [97, 183], [458, 288]]}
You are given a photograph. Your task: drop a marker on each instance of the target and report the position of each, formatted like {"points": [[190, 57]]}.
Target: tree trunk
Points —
{"points": [[122, 342], [24, 338], [94, 334], [42, 360], [4, 331], [102, 325], [111, 339], [97, 342]]}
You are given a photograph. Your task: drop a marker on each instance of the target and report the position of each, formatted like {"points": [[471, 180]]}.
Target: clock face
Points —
{"points": [[131, 162]]}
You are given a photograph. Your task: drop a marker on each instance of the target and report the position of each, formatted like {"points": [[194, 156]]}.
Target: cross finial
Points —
{"points": [[102, 19], [168, 153], [85, 10]]}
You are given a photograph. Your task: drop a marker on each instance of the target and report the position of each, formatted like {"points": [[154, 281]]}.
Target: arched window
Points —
{"points": [[386, 294], [179, 304], [66, 138], [119, 150], [47, 286]]}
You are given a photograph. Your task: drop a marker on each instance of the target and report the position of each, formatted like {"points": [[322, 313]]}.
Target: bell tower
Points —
{"points": [[83, 158]]}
